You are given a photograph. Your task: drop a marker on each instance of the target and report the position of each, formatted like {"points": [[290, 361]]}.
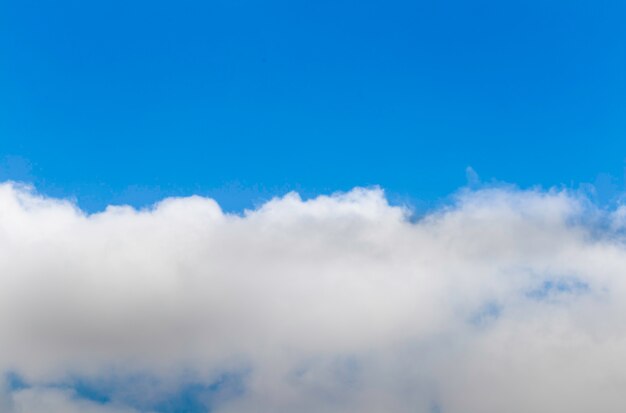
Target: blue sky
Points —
{"points": [[126, 102]]}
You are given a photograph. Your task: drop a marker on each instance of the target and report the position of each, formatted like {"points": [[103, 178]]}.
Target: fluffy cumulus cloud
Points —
{"points": [[502, 301]]}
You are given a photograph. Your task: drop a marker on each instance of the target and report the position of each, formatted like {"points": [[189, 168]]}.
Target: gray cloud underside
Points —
{"points": [[505, 301]]}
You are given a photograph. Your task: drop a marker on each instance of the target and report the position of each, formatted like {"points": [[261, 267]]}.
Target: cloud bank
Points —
{"points": [[504, 300]]}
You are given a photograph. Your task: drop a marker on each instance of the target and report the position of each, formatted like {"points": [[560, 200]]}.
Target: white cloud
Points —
{"points": [[507, 300], [59, 401]]}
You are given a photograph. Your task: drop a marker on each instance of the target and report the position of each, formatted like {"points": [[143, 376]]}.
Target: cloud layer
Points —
{"points": [[505, 300]]}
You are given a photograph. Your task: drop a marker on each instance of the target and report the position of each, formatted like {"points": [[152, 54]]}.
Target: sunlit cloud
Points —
{"points": [[504, 300]]}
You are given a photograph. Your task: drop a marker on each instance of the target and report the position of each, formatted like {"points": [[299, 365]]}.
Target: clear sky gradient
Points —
{"points": [[126, 102]]}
